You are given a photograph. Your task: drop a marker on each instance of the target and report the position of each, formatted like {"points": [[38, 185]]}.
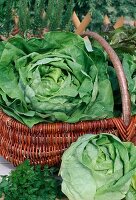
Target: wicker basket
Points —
{"points": [[46, 142]]}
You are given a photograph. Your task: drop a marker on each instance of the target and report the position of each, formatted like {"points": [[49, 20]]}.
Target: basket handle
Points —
{"points": [[125, 97]]}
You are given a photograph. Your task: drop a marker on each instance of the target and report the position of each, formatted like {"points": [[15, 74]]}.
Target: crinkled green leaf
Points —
{"points": [[53, 79]]}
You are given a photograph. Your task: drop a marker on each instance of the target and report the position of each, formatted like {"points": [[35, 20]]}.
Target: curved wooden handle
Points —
{"points": [[126, 103]]}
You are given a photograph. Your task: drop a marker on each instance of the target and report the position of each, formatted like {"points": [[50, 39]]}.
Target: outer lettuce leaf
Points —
{"points": [[53, 79], [98, 167]]}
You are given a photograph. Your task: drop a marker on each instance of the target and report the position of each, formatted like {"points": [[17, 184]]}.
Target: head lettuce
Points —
{"points": [[98, 167], [53, 79]]}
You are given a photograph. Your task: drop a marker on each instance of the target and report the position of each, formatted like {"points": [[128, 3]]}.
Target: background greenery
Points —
{"points": [[112, 8], [32, 13]]}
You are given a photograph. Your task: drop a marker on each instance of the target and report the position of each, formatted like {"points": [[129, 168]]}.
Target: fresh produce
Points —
{"points": [[129, 66], [53, 79], [123, 41], [98, 167], [29, 183]]}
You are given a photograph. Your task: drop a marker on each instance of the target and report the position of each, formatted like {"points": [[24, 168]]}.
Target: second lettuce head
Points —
{"points": [[98, 167]]}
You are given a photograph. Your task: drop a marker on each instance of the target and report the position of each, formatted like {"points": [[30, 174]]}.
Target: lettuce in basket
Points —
{"points": [[98, 167], [53, 79]]}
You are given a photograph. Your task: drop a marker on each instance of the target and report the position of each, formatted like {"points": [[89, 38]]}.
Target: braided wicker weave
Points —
{"points": [[45, 142]]}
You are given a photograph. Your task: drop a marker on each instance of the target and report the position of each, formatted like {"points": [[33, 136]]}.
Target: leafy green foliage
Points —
{"points": [[6, 16], [27, 182], [120, 37], [67, 16], [35, 15], [63, 9], [54, 14], [56, 79], [59, 13], [101, 164], [123, 42], [24, 23], [113, 9], [38, 15]]}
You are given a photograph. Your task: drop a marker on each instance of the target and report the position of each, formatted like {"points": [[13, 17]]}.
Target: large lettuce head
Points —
{"points": [[53, 79], [98, 167]]}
